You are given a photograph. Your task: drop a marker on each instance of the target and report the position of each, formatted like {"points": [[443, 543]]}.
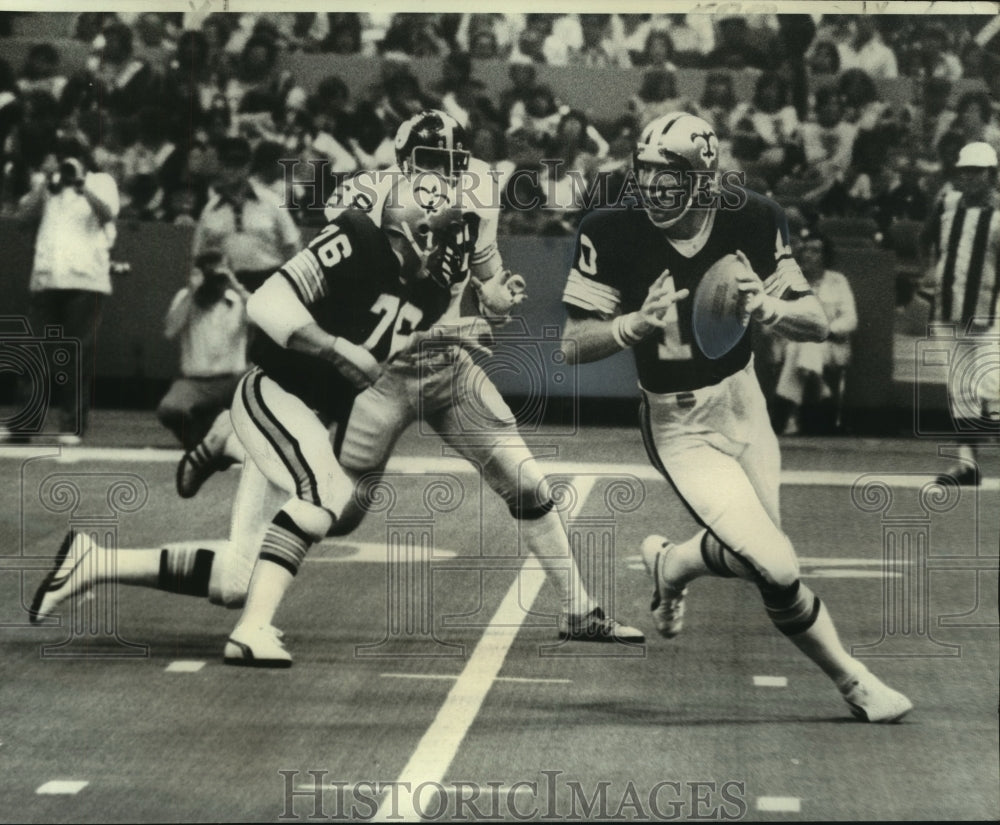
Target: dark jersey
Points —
{"points": [[349, 279], [620, 253]]}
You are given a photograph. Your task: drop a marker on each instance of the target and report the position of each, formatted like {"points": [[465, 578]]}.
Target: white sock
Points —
{"points": [[546, 538]]}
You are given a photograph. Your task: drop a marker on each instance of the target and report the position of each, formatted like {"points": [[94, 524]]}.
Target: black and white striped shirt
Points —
{"points": [[967, 256]]}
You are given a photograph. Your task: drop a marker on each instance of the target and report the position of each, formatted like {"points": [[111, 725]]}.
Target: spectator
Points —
{"points": [[243, 221], [901, 196], [260, 92], [564, 37], [694, 38], [332, 119], [71, 274], [975, 119], [218, 28], [344, 35], [462, 96], [773, 120], [40, 72], [189, 85], [122, 83], [862, 105], [931, 118], [940, 59], [734, 48], [810, 386], [484, 36], [658, 51], [153, 158], [657, 96], [824, 58], [523, 79], [530, 44], [602, 43], [718, 101], [208, 317], [579, 147], [827, 144], [867, 51], [538, 116], [414, 35]]}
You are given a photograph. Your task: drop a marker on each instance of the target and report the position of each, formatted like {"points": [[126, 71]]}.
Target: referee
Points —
{"points": [[965, 237]]}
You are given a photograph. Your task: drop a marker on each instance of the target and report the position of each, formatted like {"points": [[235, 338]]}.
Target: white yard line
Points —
{"points": [[441, 464], [439, 744]]}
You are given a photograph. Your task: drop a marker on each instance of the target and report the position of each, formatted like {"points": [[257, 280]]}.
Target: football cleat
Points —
{"points": [[667, 606], [256, 647], [870, 700], [596, 627], [69, 577], [196, 467]]}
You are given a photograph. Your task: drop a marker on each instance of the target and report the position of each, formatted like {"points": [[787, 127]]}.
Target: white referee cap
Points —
{"points": [[977, 154]]}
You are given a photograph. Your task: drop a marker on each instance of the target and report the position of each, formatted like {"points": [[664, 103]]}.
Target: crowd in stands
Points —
{"points": [[161, 90]]}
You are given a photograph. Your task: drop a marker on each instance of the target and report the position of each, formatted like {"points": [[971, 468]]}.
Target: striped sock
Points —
{"points": [[285, 543], [793, 609], [798, 613], [185, 569]]}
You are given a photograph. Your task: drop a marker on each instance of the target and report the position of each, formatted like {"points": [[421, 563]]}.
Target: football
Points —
{"points": [[718, 321]]}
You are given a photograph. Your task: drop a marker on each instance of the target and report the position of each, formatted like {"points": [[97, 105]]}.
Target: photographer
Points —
{"points": [[75, 207], [209, 318]]}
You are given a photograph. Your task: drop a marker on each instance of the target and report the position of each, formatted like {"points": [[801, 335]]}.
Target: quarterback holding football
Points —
{"points": [[676, 280]]}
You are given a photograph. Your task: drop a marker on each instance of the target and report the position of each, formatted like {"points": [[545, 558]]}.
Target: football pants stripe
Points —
{"points": [[283, 442]]}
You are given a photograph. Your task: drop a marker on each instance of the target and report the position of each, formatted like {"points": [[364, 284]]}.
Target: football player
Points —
{"points": [[451, 389], [350, 300], [634, 285]]}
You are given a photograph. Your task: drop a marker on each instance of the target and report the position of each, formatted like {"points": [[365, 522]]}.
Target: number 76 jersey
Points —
{"points": [[349, 279], [620, 253]]}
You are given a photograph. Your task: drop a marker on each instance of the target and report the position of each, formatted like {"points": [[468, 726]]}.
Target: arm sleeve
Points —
{"points": [[277, 310], [587, 288]]}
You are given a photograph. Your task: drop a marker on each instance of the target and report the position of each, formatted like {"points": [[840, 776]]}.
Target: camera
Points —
{"points": [[69, 173], [46, 364], [965, 364], [534, 377]]}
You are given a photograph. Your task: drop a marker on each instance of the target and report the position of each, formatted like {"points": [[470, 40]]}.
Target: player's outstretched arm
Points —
{"points": [[586, 338]]}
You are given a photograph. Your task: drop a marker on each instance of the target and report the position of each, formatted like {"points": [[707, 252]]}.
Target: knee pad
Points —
{"points": [[312, 520]]}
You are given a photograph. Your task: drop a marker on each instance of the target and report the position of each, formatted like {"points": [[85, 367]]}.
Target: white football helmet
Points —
{"points": [[676, 158]]}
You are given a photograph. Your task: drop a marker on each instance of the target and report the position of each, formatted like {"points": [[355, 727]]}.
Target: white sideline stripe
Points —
{"points": [[447, 676], [779, 804], [822, 561], [442, 464], [441, 741], [770, 681], [184, 667], [62, 786]]}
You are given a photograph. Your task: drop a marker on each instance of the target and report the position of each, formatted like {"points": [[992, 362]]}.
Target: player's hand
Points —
{"points": [[457, 249], [751, 287], [355, 363], [652, 315], [500, 294]]}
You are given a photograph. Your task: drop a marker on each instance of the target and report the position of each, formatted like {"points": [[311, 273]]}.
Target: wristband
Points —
{"points": [[623, 333]]}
